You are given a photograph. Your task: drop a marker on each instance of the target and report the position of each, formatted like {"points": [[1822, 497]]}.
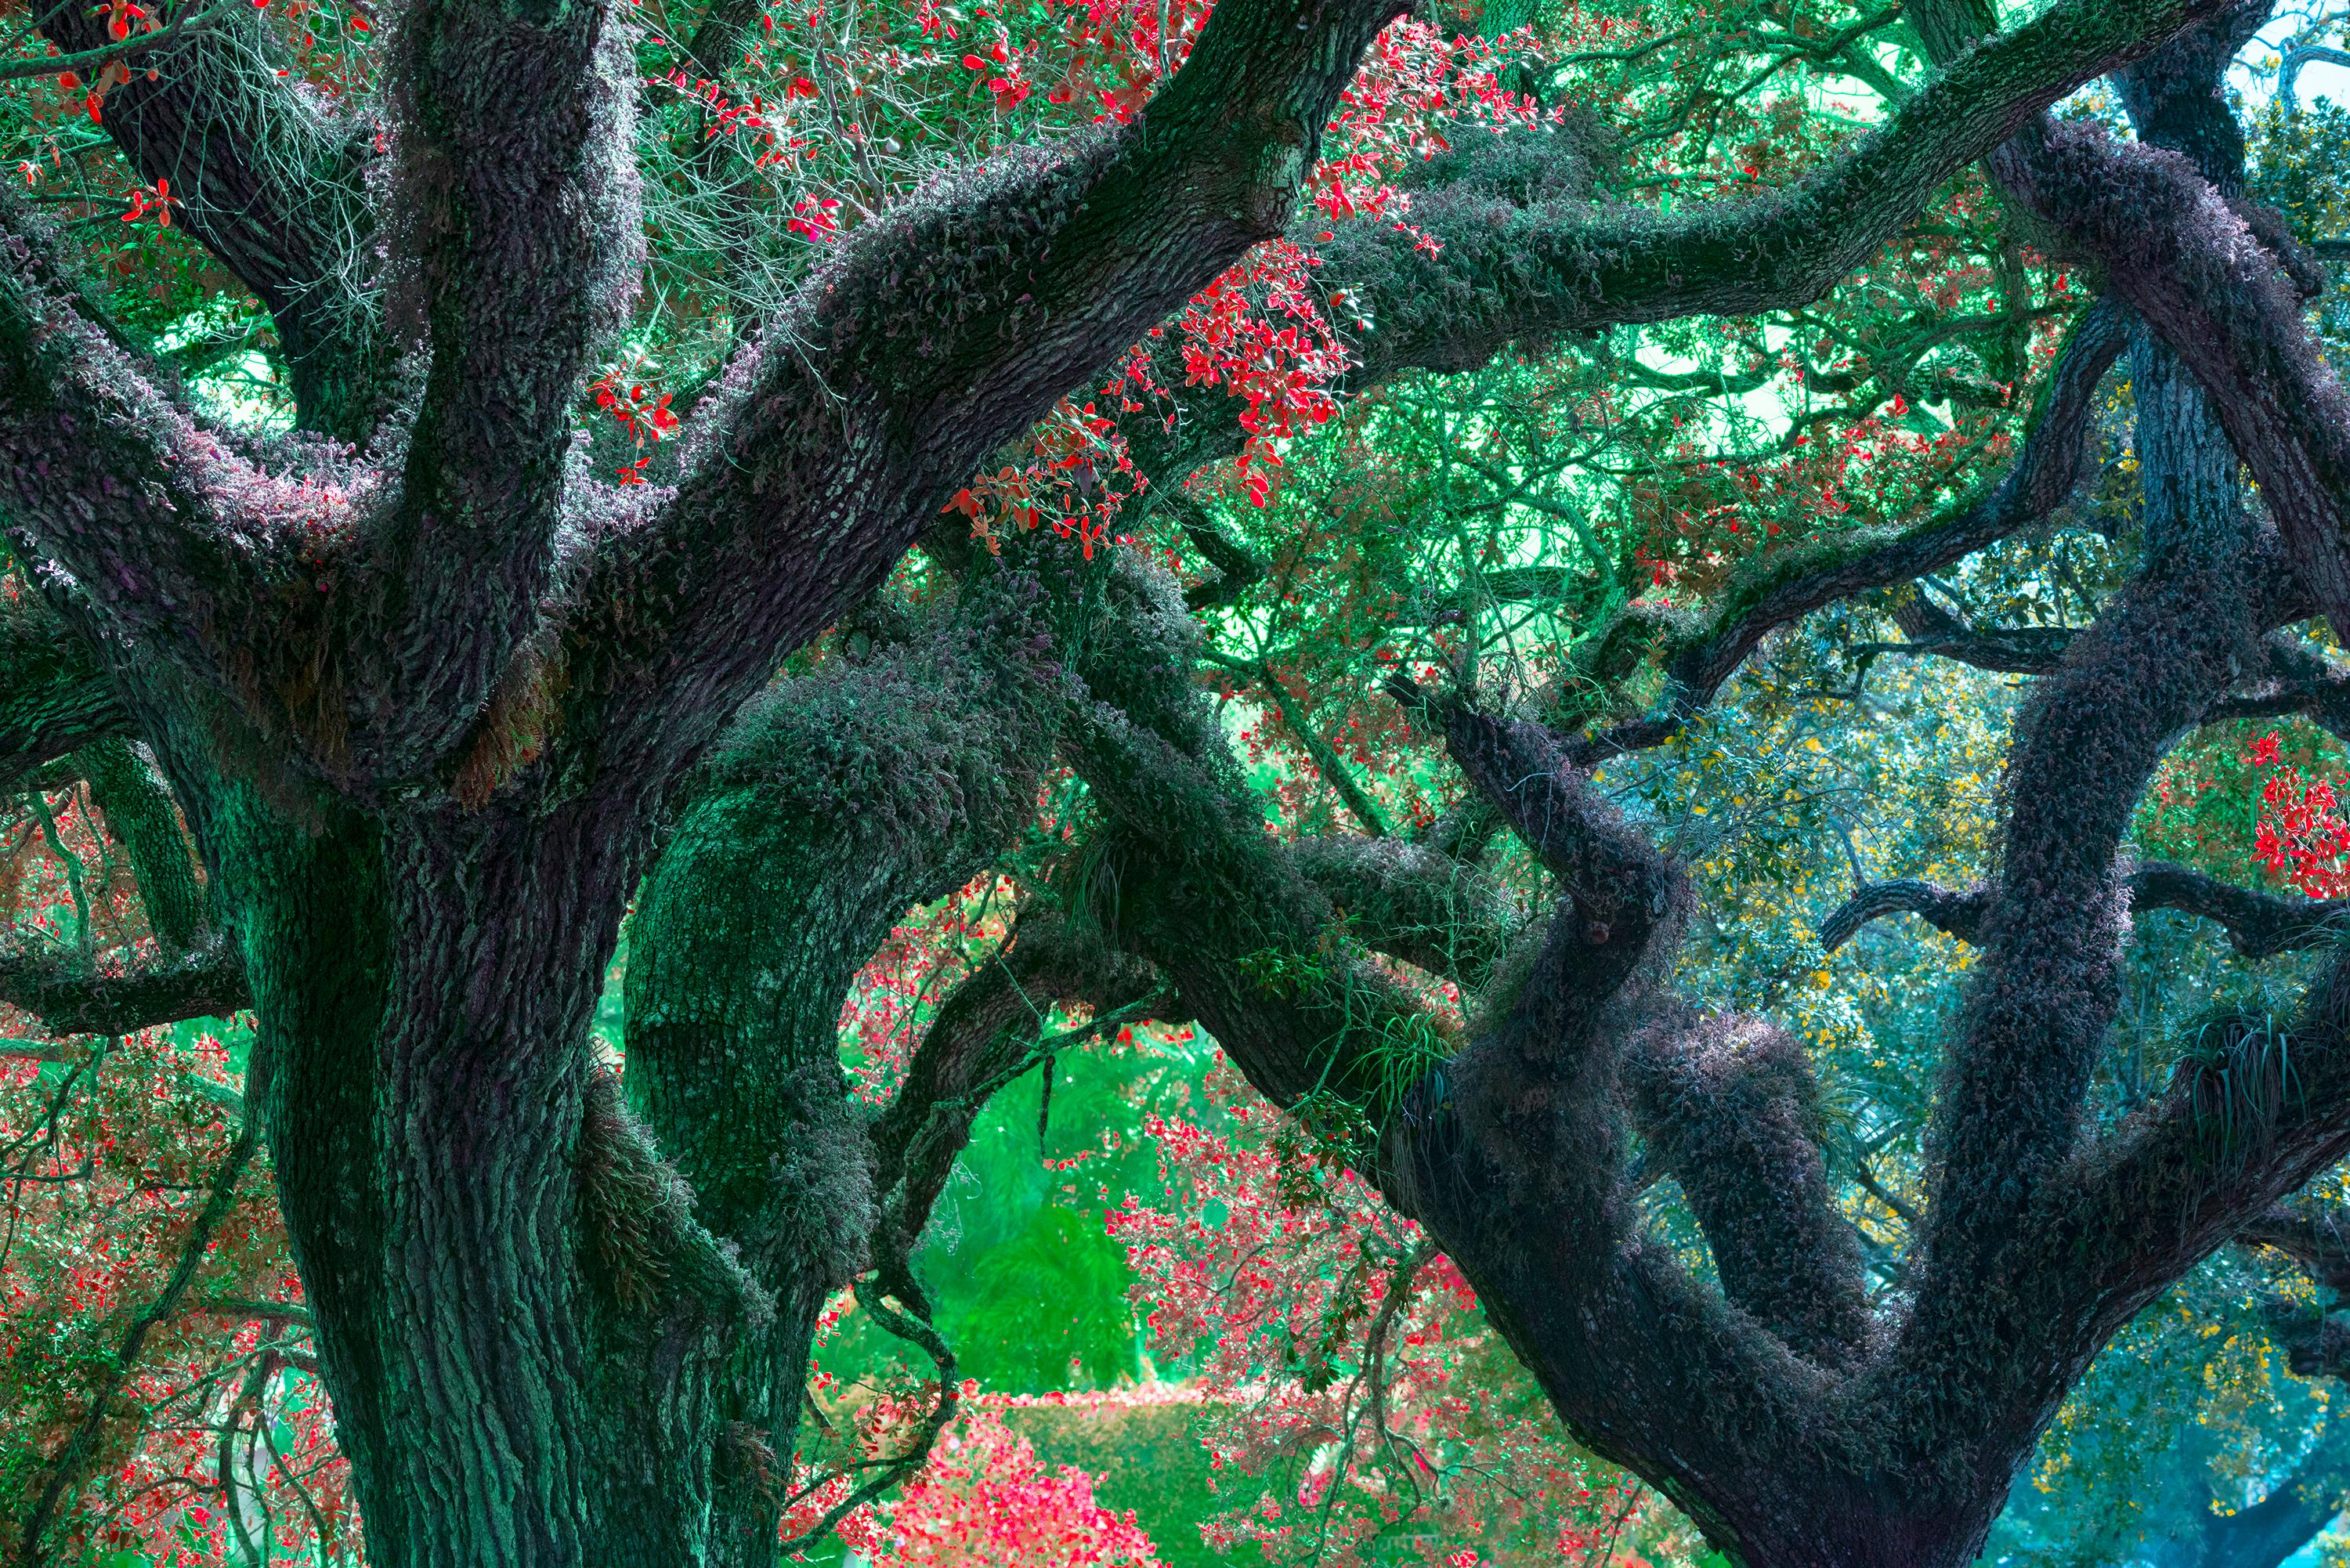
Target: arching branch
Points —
{"points": [[208, 982], [1954, 914], [1524, 259], [270, 187], [1793, 584], [1730, 1107], [984, 1036]]}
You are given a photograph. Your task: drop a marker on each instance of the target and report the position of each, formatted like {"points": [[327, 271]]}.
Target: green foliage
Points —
{"points": [[1046, 1309]]}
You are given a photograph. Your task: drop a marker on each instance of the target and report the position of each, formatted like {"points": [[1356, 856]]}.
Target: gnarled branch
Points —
{"points": [[2259, 925], [208, 982]]}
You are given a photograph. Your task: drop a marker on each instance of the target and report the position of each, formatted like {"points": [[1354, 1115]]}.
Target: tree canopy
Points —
{"points": [[1490, 781]]}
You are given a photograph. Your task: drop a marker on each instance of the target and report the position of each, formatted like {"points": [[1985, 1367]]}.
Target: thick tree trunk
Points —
{"points": [[466, 1222]]}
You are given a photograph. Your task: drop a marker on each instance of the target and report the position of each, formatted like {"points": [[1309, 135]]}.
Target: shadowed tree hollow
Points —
{"points": [[437, 702]]}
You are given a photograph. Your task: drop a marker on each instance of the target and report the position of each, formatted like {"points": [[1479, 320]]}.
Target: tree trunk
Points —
{"points": [[509, 1395]]}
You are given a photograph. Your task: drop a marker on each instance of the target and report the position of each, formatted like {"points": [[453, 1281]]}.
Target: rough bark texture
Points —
{"points": [[432, 731]]}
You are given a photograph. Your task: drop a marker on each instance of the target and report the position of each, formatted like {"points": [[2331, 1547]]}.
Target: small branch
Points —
{"points": [[2289, 76], [1238, 569], [916, 1329], [1954, 914], [2317, 1244], [260, 1312], [1794, 584], [80, 60]]}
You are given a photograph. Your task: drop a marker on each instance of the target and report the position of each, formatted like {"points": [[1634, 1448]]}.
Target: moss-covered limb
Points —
{"points": [[515, 247], [835, 803], [999, 298], [1620, 894], [1527, 257], [887, 790], [140, 815], [2259, 925], [2253, 1112], [1188, 879], [1957, 914], [1510, 1147], [939, 331], [2014, 1099], [1935, 631], [1730, 1107], [206, 981], [1547, 263], [2195, 272], [1785, 586], [1413, 902], [2293, 678], [268, 185], [106, 474], [54, 699]]}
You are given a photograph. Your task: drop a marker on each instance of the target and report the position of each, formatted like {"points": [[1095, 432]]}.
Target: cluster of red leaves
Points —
{"points": [[1262, 331], [157, 199], [1419, 82], [1347, 1369], [982, 1500], [2301, 838], [107, 1151], [644, 416]]}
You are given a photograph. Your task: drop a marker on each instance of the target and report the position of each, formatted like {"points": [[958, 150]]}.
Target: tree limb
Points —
{"points": [[208, 982], [939, 331], [112, 488], [54, 699], [2259, 925], [1532, 270], [139, 813], [263, 180], [2192, 268]]}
